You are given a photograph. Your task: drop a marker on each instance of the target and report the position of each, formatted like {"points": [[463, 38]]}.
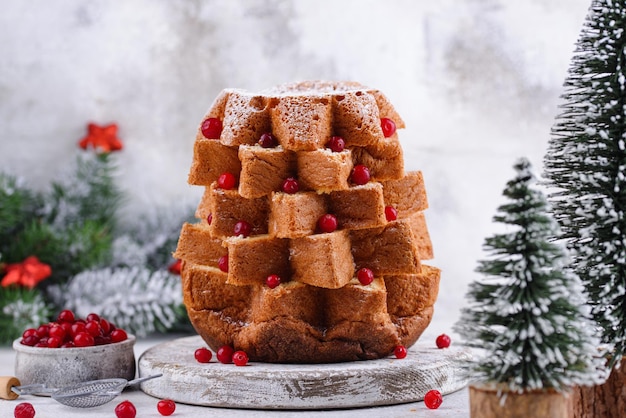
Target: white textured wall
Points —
{"points": [[477, 82]]}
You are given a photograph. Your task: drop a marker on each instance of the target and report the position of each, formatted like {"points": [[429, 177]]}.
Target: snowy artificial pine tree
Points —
{"points": [[528, 314], [586, 164]]}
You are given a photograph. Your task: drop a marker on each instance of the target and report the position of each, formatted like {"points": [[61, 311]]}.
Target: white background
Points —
{"points": [[477, 82]]}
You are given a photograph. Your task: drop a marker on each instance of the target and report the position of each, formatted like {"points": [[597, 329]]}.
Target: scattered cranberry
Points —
{"points": [[118, 335], [365, 276], [242, 228], [391, 213], [433, 399], [24, 410], [175, 267], [267, 140], [290, 185], [66, 316], [222, 263], [211, 128], [166, 407], [272, 281], [443, 341], [203, 355], [227, 181], [400, 352], [125, 409], [327, 223], [388, 126], [360, 175], [225, 354], [209, 219], [336, 144], [240, 358]]}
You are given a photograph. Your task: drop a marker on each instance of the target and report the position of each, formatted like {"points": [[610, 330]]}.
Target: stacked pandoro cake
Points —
{"points": [[310, 234]]}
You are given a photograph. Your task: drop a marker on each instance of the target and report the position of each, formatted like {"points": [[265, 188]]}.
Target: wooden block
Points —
{"points": [[486, 401]]}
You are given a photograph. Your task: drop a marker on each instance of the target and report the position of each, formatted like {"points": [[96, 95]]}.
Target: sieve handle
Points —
{"points": [[143, 379], [6, 385]]}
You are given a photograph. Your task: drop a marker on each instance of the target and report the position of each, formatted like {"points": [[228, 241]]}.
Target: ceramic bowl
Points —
{"points": [[59, 367]]}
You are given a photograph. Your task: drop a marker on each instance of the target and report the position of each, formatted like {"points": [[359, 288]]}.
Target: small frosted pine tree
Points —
{"points": [[527, 315], [586, 164]]}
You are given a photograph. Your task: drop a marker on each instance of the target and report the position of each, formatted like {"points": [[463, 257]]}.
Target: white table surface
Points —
{"points": [[454, 405]]}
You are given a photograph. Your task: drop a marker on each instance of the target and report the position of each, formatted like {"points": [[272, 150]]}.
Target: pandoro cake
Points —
{"points": [[310, 235]]}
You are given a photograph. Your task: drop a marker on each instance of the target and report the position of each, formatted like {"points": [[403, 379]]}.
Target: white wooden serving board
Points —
{"points": [[299, 386]]}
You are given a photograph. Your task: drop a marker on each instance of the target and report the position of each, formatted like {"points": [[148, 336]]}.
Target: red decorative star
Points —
{"points": [[103, 138], [174, 268], [27, 273]]}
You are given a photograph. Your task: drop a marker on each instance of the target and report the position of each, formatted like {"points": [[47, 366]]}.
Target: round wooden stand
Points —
{"points": [[486, 403], [299, 386]]}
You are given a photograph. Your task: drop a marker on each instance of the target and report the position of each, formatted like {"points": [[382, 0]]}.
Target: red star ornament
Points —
{"points": [[27, 273], [103, 138]]}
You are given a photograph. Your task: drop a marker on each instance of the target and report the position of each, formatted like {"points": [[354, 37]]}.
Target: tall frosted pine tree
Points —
{"points": [[586, 165], [527, 314]]}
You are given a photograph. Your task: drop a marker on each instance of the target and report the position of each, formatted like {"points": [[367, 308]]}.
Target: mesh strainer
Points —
{"points": [[85, 394]]}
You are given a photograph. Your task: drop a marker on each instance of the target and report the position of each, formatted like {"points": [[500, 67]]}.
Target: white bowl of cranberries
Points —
{"points": [[72, 350]]}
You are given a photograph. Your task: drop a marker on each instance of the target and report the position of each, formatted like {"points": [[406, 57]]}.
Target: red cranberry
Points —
{"points": [[76, 328], [365, 276], [29, 332], [42, 331], [327, 223], [222, 263], [54, 342], [360, 175], [24, 410], [118, 335], [336, 144], [66, 316], [272, 281], [400, 351], [227, 181], [267, 140], [391, 213], [93, 328], [92, 317], [242, 228], [225, 354], [166, 407], [57, 331], [31, 340], [433, 399], [290, 185], [106, 326], [125, 409], [443, 341], [203, 355], [240, 358], [84, 339], [209, 219], [211, 128], [175, 267], [388, 126]]}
